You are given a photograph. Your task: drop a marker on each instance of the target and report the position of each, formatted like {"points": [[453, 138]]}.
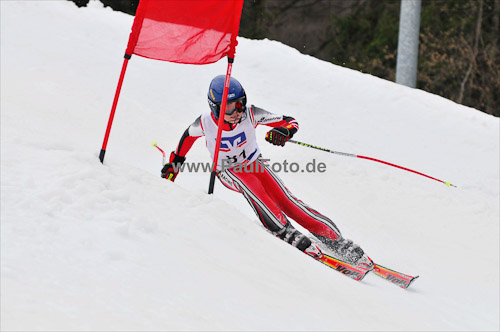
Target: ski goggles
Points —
{"points": [[235, 105]]}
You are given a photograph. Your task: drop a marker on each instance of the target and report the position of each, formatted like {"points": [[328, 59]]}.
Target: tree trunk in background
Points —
{"points": [[473, 56], [496, 25]]}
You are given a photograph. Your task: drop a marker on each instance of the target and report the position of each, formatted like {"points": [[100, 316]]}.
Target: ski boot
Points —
{"points": [[347, 251], [298, 240], [313, 250], [352, 253]]}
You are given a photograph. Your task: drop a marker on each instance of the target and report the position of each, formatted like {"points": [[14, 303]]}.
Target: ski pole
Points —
{"points": [[368, 158], [155, 144]]}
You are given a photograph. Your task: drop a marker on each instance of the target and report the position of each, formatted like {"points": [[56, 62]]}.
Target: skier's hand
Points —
{"points": [[278, 136], [168, 172], [171, 169]]}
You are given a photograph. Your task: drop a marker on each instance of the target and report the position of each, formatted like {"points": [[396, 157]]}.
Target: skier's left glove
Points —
{"points": [[280, 135], [171, 169]]}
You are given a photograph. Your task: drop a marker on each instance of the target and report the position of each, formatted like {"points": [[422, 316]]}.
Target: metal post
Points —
{"points": [[409, 26]]}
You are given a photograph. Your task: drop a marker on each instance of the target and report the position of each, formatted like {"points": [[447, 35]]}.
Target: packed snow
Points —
{"points": [[91, 246]]}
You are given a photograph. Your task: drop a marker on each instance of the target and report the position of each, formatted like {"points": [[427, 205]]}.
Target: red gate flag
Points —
{"points": [[188, 31], [182, 31]]}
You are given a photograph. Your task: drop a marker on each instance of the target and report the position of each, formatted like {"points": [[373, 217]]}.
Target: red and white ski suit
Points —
{"points": [[263, 189]]}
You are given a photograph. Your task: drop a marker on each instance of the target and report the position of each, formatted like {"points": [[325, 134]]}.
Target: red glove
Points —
{"points": [[279, 136], [171, 169]]}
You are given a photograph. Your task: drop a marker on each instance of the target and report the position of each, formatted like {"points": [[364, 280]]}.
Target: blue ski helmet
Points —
{"points": [[216, 89]]}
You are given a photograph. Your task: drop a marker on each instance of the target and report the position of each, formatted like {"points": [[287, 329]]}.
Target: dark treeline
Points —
{"points": [[459, 55]]}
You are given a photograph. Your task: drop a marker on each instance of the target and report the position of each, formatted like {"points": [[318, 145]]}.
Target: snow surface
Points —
{"points": [[86, 246]]}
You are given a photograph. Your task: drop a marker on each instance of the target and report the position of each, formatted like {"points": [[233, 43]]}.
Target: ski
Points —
{"points": [[355, 272], [359, 270], [395, 277]]}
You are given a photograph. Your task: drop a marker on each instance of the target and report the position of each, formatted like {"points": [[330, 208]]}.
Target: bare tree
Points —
{"points": [[473, 57]]}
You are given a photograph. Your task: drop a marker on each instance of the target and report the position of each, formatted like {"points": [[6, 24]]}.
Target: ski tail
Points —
{"points": [[397, 278], [355, 272]]}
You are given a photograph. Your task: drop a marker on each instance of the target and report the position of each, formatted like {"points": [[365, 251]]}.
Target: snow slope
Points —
{"points": [[86, 246]]}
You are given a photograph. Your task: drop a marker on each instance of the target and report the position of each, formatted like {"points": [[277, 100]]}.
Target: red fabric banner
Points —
{"points": [[185, 31]]}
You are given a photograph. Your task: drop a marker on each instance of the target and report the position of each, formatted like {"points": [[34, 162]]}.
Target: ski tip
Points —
{"points": [[410, 282], [154, 144]]}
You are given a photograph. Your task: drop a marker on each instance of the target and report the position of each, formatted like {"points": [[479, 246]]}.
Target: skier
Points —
{"points": [[241, 167]]}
